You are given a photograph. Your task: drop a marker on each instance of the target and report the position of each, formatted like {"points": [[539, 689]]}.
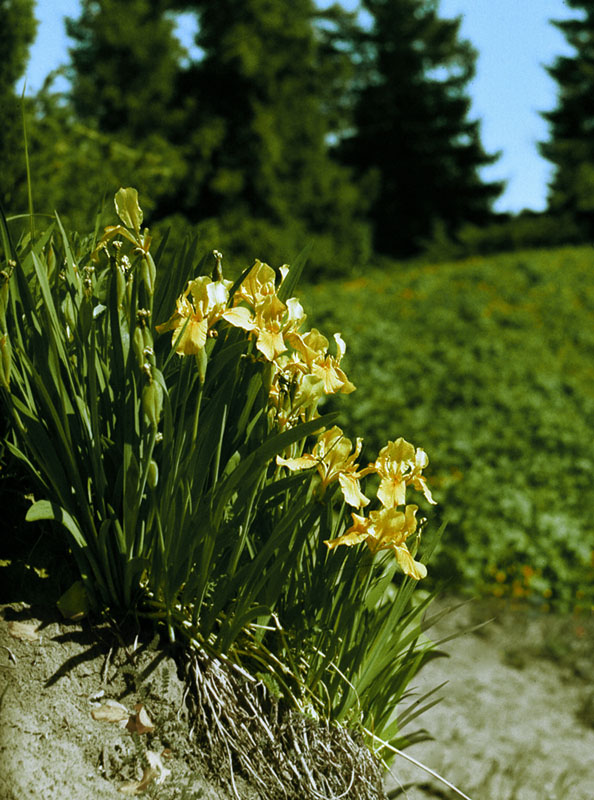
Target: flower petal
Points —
{"points": [[304, 462], [190, 340], [409, 566], [352, 490], [270, 343], [392, 492], [240, 317]]}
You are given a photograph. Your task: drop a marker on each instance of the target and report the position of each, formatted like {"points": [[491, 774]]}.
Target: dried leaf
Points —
{"points": [[25, 631], [137, 787], [155, 762], [11, 655], [111, 711], [140, 722]]}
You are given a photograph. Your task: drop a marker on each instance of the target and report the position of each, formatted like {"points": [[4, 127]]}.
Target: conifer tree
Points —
{"points": [[17, 32], [124, 67], [570, 147], [260, 115], [411, 128], [125, 63], [245, 126]]}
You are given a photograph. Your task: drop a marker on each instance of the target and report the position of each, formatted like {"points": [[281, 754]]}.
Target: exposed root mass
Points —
{"points": [[281, 753]]}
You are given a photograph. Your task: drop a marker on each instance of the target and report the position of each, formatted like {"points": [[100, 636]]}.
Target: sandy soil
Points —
{"points": [[517, 717], [54, 678], [516, 721]]}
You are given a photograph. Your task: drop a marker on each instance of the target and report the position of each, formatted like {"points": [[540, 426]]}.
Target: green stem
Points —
{"points": [[242, 539], [197, 411], [217, 460]]}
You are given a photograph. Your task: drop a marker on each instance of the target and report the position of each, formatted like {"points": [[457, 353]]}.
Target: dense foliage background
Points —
{"points": [[288, 124], [488, 364]]}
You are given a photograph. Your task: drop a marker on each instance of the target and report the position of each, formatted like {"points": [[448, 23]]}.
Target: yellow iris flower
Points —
{"points": [[334, 460], [270, 319], [399, 465], [194, 317], [313, 349], [386, 529], [259, 284]]}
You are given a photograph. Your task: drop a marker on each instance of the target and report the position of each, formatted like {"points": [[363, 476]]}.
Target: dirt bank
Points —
{"points": [[516, 720]]}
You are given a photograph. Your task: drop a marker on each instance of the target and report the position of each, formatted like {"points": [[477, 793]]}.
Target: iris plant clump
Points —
{"points": [[171, 419]]}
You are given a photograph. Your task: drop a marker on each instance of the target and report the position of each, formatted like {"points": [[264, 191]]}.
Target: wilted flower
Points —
{"points": [[294, 393], [398, 466], [193, 318], [334, 460], [386, 529]]}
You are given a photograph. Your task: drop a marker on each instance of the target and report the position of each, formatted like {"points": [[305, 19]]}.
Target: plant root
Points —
{"points": [[282, 753]]}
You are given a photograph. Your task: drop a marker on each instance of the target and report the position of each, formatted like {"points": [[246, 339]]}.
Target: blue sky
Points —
{"points": [[515, 41]]}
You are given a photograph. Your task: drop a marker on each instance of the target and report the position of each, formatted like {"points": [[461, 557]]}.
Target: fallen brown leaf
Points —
{"points": [[111, 711], [140, 722], [137, 787], [25, 631]]}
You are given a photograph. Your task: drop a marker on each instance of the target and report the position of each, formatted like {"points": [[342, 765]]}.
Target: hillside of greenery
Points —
{"points": [[487, 364]]}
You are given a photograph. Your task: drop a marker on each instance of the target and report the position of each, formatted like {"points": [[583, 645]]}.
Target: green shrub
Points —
{"points": [[489, 365], [507, 233], [331, 254], [525, 230]]}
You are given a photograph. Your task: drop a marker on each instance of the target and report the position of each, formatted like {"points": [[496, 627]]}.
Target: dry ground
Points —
{"points": [[517, 717], [516, 721]]}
